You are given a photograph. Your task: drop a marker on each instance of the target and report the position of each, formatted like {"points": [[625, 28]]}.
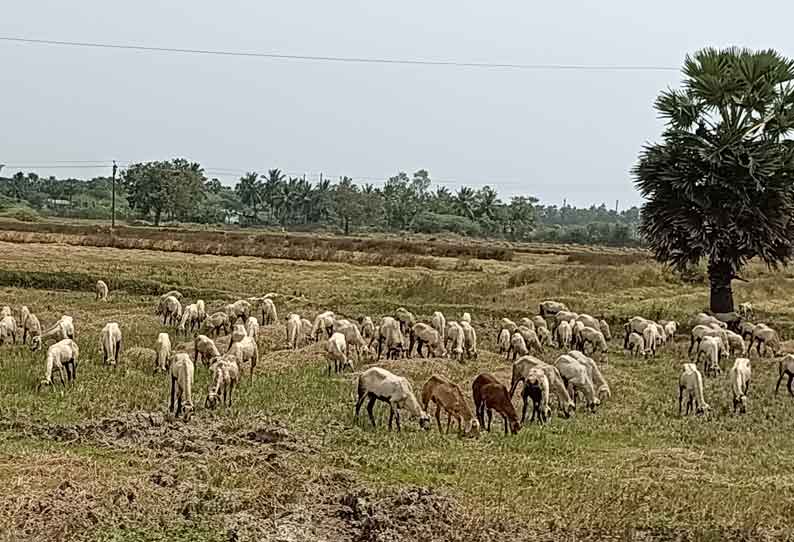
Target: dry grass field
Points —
{"points": [[103, 460]]}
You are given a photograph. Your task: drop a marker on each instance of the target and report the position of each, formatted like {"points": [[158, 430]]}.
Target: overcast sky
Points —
{"points": [[552, 134]]}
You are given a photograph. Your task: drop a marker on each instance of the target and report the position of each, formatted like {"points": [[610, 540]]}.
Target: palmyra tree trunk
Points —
{"points": [[721, 296]]}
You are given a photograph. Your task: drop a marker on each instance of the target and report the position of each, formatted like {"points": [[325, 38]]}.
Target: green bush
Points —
{"points": [[23, 214], [438, 223]]}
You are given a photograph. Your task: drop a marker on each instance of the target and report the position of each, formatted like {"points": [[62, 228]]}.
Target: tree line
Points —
{"points": [[178, 190]]}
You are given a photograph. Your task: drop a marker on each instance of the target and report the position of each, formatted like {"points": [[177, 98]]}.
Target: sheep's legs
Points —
{"points": [[490, 418], [360, 402], [524, 411], [790, 378], [680, 398], [438, 418], [370, 405], [173, 392], [505, 420]]}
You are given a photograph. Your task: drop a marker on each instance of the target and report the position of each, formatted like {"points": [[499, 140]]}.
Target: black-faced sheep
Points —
{"points": [[521, 369], [536, 387]]}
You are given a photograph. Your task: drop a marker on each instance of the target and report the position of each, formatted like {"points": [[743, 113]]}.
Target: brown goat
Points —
{"points": [[447, 395], [489, 395]]}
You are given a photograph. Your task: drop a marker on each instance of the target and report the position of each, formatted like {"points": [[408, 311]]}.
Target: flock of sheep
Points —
{"points": [[575, 373]]}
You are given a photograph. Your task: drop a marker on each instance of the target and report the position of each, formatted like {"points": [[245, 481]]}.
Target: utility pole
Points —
{"points": [[113, 198], [617, 201]]}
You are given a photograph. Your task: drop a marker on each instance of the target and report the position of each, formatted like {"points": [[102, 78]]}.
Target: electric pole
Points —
{"points": [[113, 198]]}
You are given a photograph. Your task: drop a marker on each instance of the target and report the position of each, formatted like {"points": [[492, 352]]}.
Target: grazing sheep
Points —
{"points": [[746, 329], [439, 323], [661, 335], [576, 332], [745, 310], [5, 311], [456, 339], [378, 384], [447, 395], [240, 309], [536, 387], [246, 350], [63, 354], [101, 290], [252, 327], [544, 336], [691, 381], [531, 339], [703, 319], [518, 346], [466, 317], [238, 334], [353, 338], [670, 329], [217, 323], [700, 331], [30, 326], [710, 347], [489, 395], [503, 342], [636, 344], [269, 312], [527, 323], [204, 349], [600, 383], [564, 316], [323, 322], [306, 331], [390, 338], [765, 338], [405, 318], [425, 335], [224, 376], [595, 339], [550, 308], [735, 343], [785, 368], [190, 315], [539, 322], [202, 311], [469, 340], [576, 377], [172, 293], [739, 377], [367, 328], [171, 311], [564, 335], [62, 329], [294, 331], [9, 324], [604, 328], [181, 385], [336, 352], [650, 337], [556, 384], [110, 342], [636, 324], [24, 312], [589, 321], [162, 348]]}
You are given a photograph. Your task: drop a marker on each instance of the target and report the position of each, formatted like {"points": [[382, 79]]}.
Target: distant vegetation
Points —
{"points": [[178, 191]]}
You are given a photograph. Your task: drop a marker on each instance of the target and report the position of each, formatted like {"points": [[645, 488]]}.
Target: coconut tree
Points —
{"points": [[249, 190], [719, 185]]}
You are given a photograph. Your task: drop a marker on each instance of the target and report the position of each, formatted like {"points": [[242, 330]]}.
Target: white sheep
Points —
{"points": [[293, 330], [503, 342], [456, 339], [521, 369], [636, 344], [425, 335], [785, 368], [527, 323], [700, 331], [469, 340], [564, 316], [595, 339], [101, 290], [9, 324], [735, 343], [378, 384], [564, 335], [406, 320], [746, 329], [62, 329], [181, 385], [323, 322], [216, 323], [550, 308], [245, 351], [576, 377], [336, 353], [518, 346], [576, 331], [238, 334], [240, 309], [710, 348], [204, 349], [162, 348], [661, 335], [536, 386], [306, 331], [31, 327], [691, 381], [190, 315], [390, 338], [530, 339], [353, 338], [61, 355], [171, 311], [224, 376], [739, 377], [367, 328], [745, 309], [110, 342], [509, 325], [589, 321], [24, 312], [670, 329], [439, 323], [635, 324], [650, 337], [600, 383], [5, 311], [765, 339], [252, 327], [269, 312], [544, 336], [202, 310], [604, 328], [703, 319], [466, 317], [539, 322]]}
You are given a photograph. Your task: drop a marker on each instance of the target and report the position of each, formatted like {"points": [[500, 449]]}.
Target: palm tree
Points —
{"points": [[486, 201], [271, 189], [464, 202], [719, 185], [249, 190]]}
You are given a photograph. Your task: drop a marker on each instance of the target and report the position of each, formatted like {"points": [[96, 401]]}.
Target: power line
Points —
{"points": [[341, 59]]}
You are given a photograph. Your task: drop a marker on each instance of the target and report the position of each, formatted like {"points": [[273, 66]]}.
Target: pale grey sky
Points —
{"points": [[552, 134]]}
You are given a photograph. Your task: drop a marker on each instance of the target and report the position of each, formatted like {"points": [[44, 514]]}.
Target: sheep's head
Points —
{"points": [[44, 382], [212, 400], [515, 426], [474, 428], [349, 364], [424, 421], [35, 343], [604, 392], [703, 410], [743, 404]]}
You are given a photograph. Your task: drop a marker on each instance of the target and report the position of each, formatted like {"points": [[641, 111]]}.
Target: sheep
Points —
{"points": [[62, 329], [202, 311], [390, 338], [447, 395], [204, 349], [246, 350], [306, 330], [544, 336], [539, 322], [425, 335], [636, 324], [670, 329], [710, 347], [509, 325], [62, 355], [439, 323], [466, 317], [521, 370], [589, 321], [692, 381], [224, 376], [336, 352], [190, 315], [323, 322], [172, 293], [489, 395], [456, 339], [367, 328], [661, 335], [469, 340], [216, 323], [531, 339], [252, 327], [240, 309], [536, 387], [650, 337], [594, 338], [764, 337], [739, 377], [550, 308], [171, 311], [353, 337], [735, 343], [564, 316], [294, 331], [703, 319], [600, 383], [746, 329], [700, 331], [5, 311], [101, 290], [378, 384], [238, 334], [577, 379], [406, 319], [576, 332], [785, 368], [518, 346], [181, 385], [10, 325], [503, 342], [269, 312], [564, 335], [636, 344], [30, 326], [603, 327], [24, 312], [110, 342], [6, 333], [162, 348], [527, 323]]}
